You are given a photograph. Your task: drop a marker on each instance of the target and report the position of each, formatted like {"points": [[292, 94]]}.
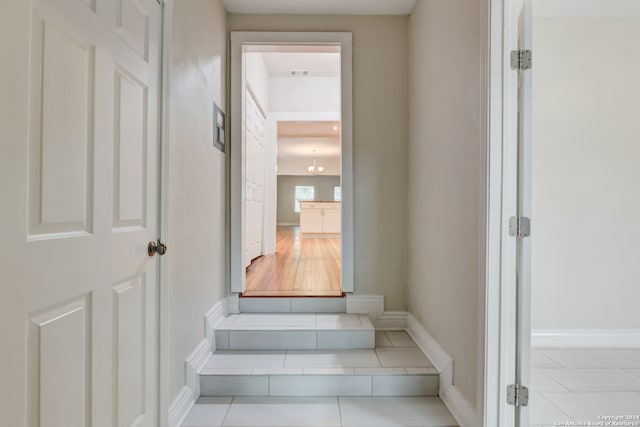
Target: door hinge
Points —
{"points": [[519, 226], [520, 60], [517, 395]]}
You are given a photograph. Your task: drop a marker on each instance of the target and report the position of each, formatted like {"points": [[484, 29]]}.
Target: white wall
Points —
{"points": [[586, 174], [444, 175], [380, 110], [304, 94], [197, 249], [258, 77]]}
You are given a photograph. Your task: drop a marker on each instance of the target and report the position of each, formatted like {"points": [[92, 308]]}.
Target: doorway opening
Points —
{"points": [[306, 258], [584, 198], [293, 234], [568, 142]]}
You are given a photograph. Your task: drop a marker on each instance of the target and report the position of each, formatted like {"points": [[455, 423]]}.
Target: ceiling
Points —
{"points": [[322, 7], [279, 64], [300, 139]]}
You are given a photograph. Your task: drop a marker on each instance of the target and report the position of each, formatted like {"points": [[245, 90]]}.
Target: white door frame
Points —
{"points": [[163, 303], [497, 301], [237, 211]]}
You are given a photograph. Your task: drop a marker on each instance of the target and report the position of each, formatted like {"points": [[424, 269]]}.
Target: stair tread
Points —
{"points": [[395, 367], [379, 361]]}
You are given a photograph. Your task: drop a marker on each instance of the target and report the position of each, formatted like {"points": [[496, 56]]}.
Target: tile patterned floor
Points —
{"points": [[395, 353], [319, 412], [584, 385]]}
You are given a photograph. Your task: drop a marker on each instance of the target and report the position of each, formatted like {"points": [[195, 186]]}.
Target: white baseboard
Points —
{"points": [[585, 338], [194, 363], [391, 321], [187, 396], [459, 407], [373, 305], [287, 224], [231, 304], [180, 407], [211, 319]]}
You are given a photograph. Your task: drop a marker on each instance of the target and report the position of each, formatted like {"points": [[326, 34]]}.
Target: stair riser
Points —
{"points": [[294, 339], [292, 305], [319, 385]]}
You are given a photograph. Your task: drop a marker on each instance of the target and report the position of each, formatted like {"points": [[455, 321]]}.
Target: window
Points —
{"points": [[303, 192], [337, 193]]}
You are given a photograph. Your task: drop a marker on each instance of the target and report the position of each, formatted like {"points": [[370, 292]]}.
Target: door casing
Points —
{"points": [[497, 304], [237, 154]]}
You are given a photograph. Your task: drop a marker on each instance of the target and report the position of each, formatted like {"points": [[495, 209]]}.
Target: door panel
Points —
{"points": [[129, 151], [78, 211], [61, 143], [255, 159], [59, 360]]}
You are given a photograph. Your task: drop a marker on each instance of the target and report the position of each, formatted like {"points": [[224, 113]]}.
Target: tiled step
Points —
{"points": [[388, 370], [295, 331], [292, 305]]}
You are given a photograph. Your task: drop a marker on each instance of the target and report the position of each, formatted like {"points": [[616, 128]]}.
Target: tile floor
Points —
{"points": [[584, 385], [395, 353], [319, 412], [393, 350]]}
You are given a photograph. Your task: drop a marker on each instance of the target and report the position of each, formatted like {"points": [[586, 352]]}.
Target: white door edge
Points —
{"points": [[163, 306], [497, 311]]}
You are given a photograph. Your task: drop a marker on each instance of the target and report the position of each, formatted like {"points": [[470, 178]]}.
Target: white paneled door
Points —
{"points": [[79, 185], [255, 138]]}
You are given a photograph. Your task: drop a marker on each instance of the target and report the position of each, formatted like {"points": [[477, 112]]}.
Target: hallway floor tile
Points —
{"points": [[584, 385], [319, 412]]}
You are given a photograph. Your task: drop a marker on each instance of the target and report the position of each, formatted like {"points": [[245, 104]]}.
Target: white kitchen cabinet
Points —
{"points": [[320, 217], [331, 219], [310, 220]]}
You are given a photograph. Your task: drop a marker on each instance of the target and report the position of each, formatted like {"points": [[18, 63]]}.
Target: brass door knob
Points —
{"points": [[156, 248]]}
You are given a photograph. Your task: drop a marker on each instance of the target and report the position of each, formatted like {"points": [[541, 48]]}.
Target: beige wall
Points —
{"points": [[585, 270], [197, 199], [380, 110], [444, 175]]}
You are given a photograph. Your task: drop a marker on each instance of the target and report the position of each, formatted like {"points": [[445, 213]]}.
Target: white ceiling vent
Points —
{"points": [[298, 73]]}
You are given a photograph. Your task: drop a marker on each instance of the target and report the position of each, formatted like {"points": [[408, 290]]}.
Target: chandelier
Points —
{"points": [[315, 169]]}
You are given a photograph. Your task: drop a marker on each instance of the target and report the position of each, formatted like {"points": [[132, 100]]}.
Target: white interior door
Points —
{"points": [[523, 243], [79, 184], [256, 133]]}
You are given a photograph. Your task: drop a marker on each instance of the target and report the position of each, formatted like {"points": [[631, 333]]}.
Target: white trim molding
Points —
{"points": [[373, 305], [615, 338], [194, 363], [187, 396], [164, 414], [459, 407], [237, 188], [180, 407]]}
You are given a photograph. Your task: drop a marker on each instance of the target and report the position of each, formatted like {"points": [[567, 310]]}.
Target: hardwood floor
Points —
{"points": [[301, 266]]}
